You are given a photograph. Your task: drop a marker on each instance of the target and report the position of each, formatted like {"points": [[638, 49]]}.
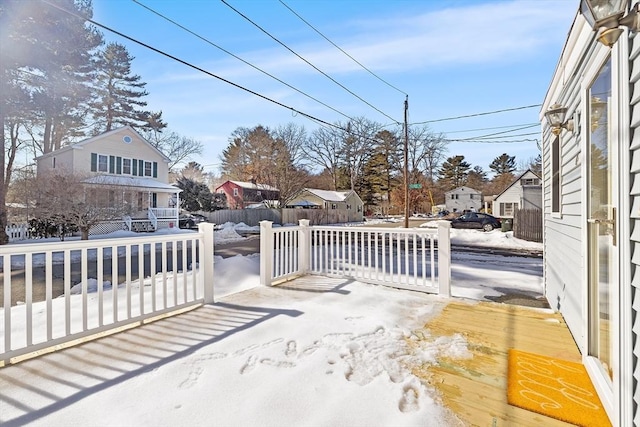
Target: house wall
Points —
{"points": [[566, 257], [62, 161], [531, 197], [233, 202], [632, 273], [464, 200], [563, 248]]}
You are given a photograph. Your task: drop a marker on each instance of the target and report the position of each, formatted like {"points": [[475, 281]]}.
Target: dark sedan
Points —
{"points": [[480, 221], [191, 220]]}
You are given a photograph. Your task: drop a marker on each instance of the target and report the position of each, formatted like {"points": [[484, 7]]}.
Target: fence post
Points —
{"points": [[206, 260], [304, 246], [266, 252], [444, 258]]}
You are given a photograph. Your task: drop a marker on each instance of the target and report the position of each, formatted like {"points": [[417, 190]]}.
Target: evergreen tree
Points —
{"points": [[477, 178], [119, 93], [454, 172], [503, 164], [53, 53], [195, 196]]}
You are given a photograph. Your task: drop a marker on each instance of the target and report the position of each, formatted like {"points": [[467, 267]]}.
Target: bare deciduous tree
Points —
{"points": [[176, 147], [67, 198]]}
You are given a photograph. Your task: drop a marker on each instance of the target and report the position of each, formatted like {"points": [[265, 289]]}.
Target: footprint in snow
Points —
{"points": [[292, 349], [249, 365], [409, 400], [278, 364]]}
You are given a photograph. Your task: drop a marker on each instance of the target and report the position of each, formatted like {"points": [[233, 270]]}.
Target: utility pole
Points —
{"points": [[406, 162]]}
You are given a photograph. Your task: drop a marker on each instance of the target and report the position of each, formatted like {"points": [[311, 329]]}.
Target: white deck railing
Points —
{"points": [[417, 259], [152, 275]]}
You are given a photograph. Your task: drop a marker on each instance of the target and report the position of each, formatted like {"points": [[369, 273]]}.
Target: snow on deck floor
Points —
{"points": [[315, 351]]}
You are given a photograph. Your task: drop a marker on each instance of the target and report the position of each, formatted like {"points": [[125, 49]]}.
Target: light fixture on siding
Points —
{"points": [[605, 16], [555, 116]]}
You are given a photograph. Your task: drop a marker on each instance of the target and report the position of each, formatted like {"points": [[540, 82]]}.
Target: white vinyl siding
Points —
{"points": [[633, 304]]}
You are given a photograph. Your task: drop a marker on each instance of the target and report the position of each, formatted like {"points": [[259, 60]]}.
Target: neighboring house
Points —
{"points": [[345, 206], [241, 195], [591, 194], [134, 174], [525, 192], [462, 199]]}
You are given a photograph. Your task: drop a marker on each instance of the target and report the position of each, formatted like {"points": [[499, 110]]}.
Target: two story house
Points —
{"points": [[124, 171], [462, 199], [241, 195]]}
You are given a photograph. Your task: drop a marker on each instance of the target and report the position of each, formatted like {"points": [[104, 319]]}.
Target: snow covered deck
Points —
{"points": [[313, 351]]}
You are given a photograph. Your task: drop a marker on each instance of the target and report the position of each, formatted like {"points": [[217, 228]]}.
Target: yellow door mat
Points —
{"points": [[553, 387]]}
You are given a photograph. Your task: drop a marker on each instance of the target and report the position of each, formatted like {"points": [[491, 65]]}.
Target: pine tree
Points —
{"points": [[503, 164], [119, 100], [454, 172]]}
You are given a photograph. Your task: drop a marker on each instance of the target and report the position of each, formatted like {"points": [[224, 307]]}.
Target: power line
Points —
{"points": [[341, 50], [195, 67], [503, 132], [515, 141], [492, 128], [239, 58], [478, 114], [305, 60]]}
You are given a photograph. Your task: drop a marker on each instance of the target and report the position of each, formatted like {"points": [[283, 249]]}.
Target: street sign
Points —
{"points": [[415, 186]]}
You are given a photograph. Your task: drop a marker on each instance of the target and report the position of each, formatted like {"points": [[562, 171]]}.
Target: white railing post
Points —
{"points": [[304, 246], [444, 258], [266, 252], [206, 261]]}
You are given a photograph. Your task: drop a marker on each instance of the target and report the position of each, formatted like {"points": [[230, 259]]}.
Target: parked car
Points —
{"points": [[481, 221], [191, 220]]}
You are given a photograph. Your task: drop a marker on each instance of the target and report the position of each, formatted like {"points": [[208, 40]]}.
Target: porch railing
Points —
{"points": [[417, 259], [53, 293], [171, 213], [153, 219]]}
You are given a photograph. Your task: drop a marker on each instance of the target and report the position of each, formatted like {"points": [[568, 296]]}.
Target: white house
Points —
{"points": [[463, 198], [133, 172], [344, 206], [525, 192], [591, 199]]}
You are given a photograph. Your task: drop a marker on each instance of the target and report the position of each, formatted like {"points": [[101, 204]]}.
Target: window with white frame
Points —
{"points": [[507, 208], [126, 166], [530, 181], [555, 175], [148, 169], [103, 163], [235, 192]]}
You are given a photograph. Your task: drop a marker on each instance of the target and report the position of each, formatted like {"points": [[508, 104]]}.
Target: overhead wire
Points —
{"points": [[478, 114], [340, 49], [306, 61], [306, 115], [239, 58], [188, 64]]}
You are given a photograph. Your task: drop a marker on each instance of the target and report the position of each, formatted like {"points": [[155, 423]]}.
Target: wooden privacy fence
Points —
{"points": [[53, 293], [527, 225], [253, 217], [415, 259]]}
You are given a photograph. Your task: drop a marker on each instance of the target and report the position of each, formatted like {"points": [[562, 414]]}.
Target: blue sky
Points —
{"points": [[453, 58]]}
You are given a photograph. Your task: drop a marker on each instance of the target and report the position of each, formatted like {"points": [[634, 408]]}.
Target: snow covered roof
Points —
{"points": [[254, 186], [132, 181], [330, 196]]}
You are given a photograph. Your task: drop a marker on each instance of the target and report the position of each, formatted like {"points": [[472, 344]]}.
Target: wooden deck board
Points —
{"points": [[475, 389]]}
